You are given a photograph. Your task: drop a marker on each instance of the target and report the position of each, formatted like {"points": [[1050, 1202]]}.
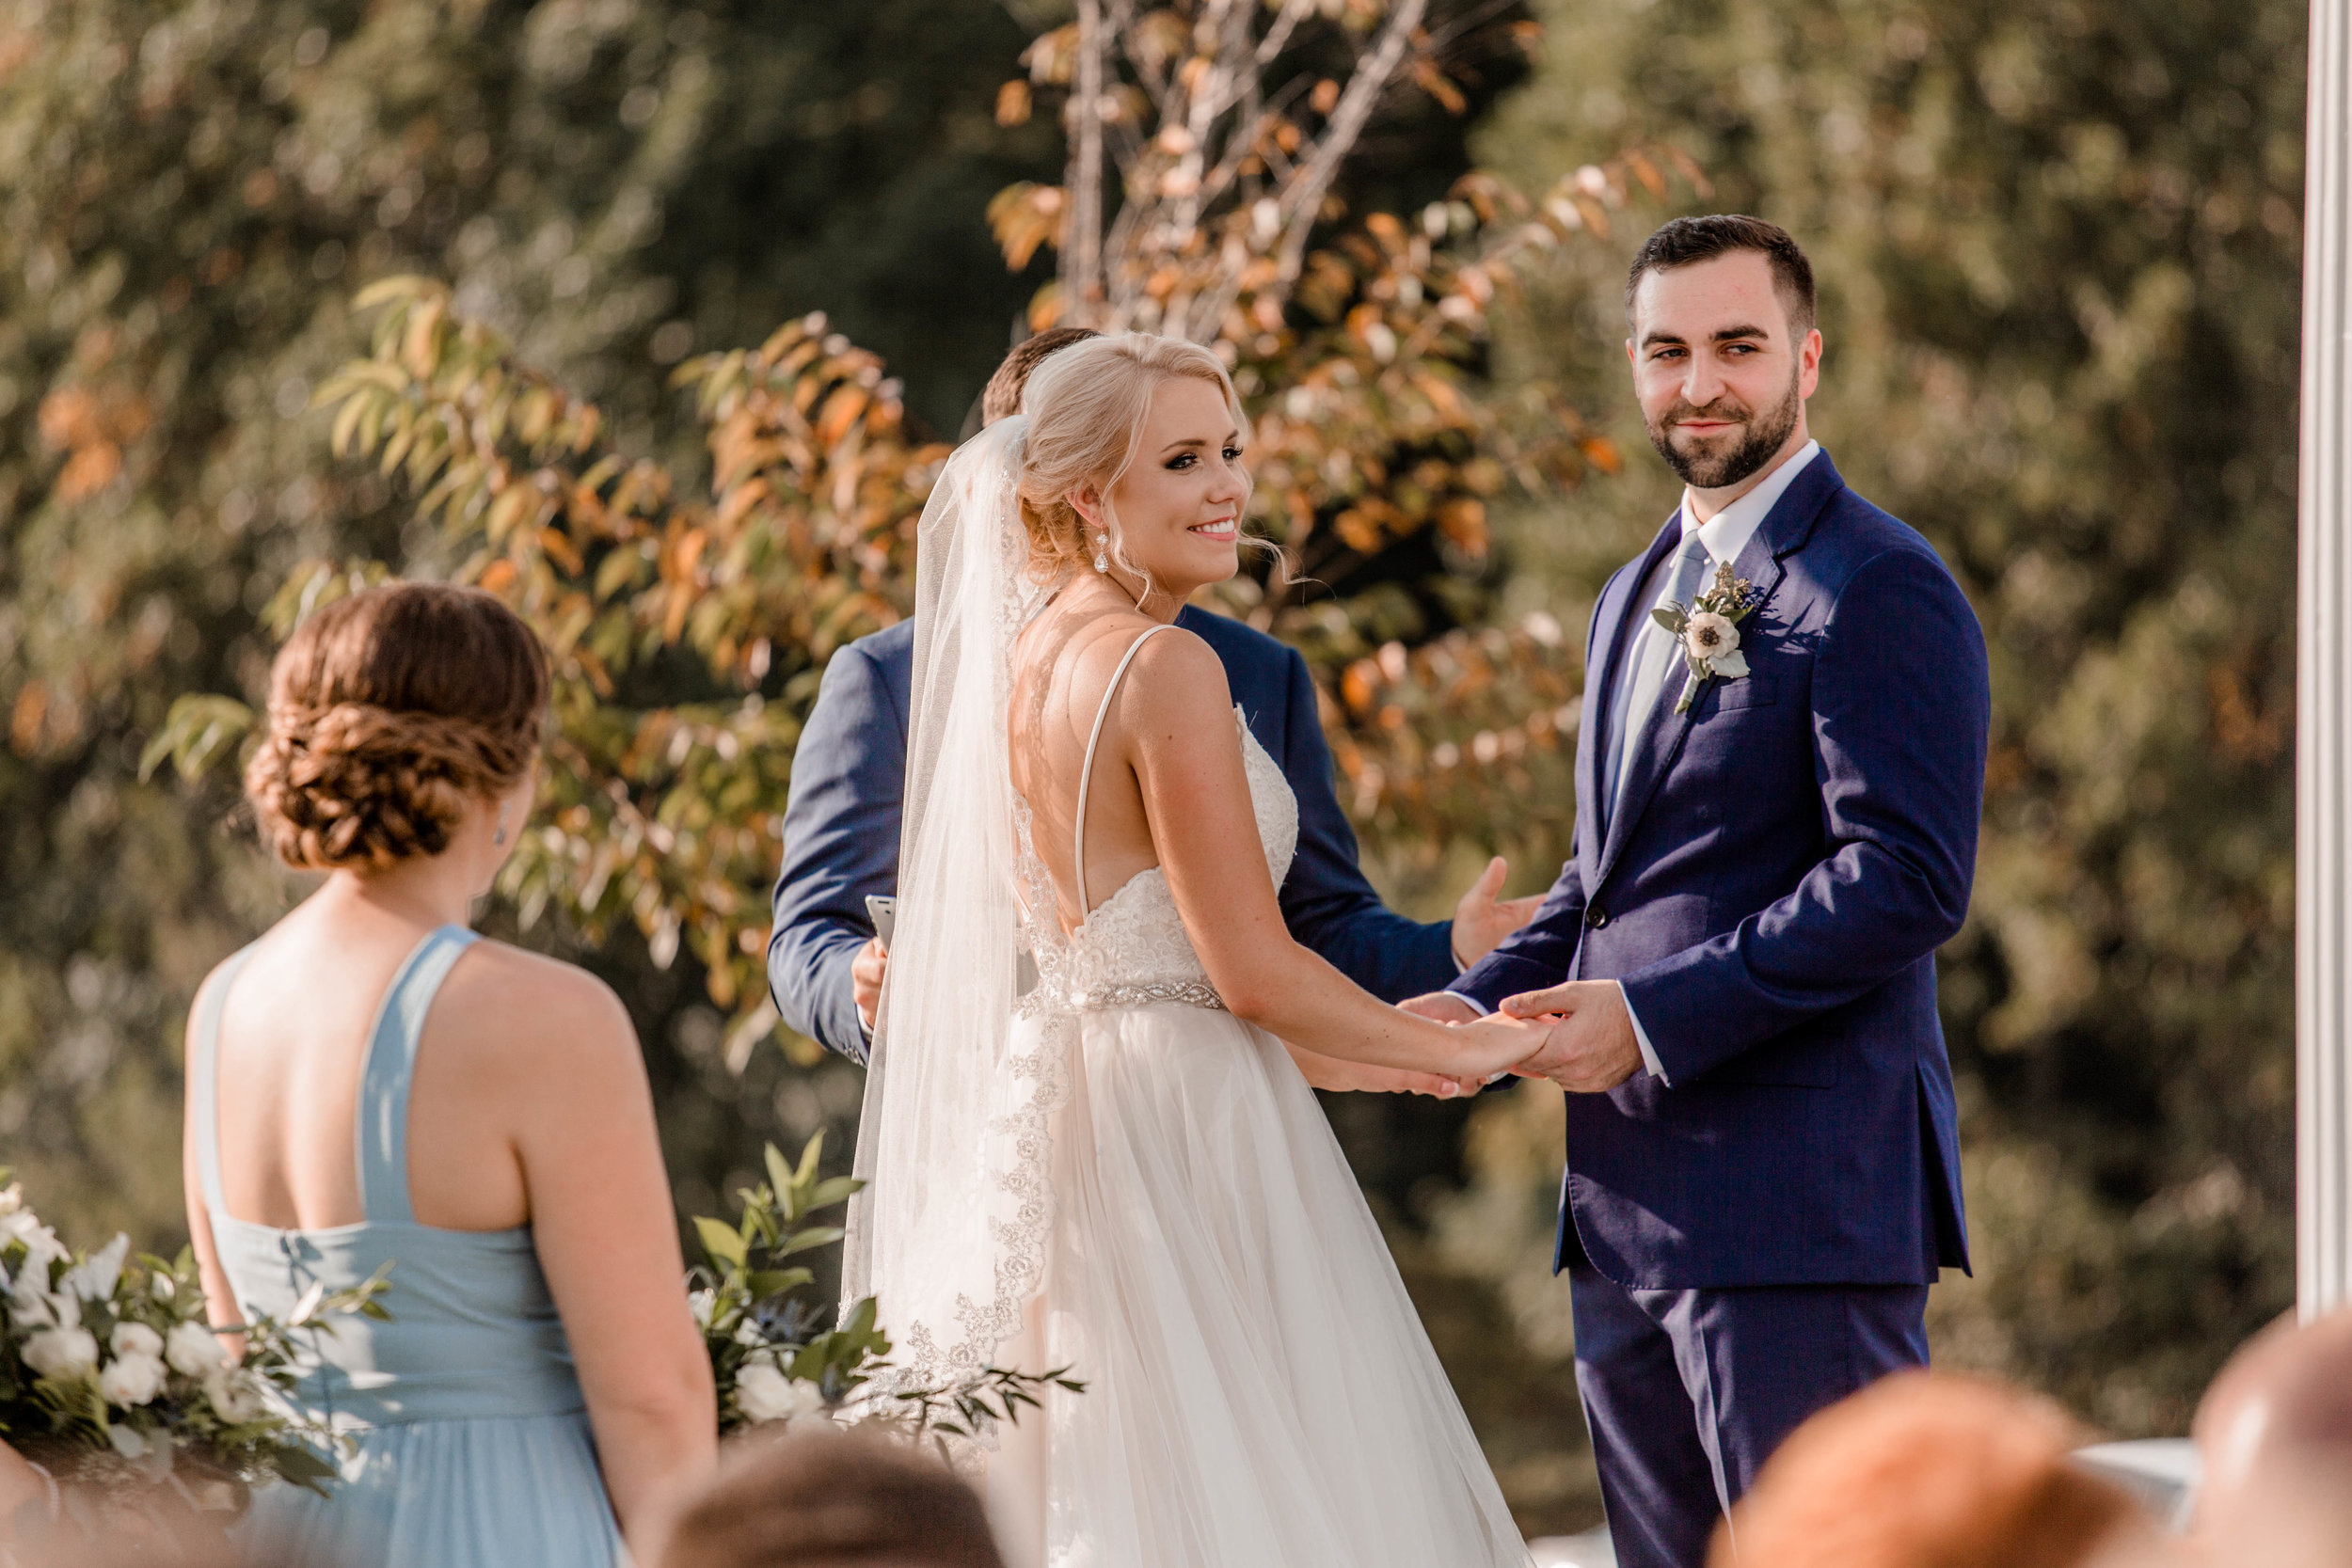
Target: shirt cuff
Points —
{"points": [[1476, 1005], [1640, 1038]]}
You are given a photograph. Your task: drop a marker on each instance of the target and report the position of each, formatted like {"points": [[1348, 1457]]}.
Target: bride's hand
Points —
{"points": [[1494, 1044], [1336, 1075]]}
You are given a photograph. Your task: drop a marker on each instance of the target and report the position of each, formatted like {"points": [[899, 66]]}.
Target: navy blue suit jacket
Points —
{"points": [[849, 778], [1783, 862]]}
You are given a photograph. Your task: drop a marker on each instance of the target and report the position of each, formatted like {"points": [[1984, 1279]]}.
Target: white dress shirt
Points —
{"points": [[1724, 535]]}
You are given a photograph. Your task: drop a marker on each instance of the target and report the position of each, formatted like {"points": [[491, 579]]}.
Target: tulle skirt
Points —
{"points": [[1260, 1392]]}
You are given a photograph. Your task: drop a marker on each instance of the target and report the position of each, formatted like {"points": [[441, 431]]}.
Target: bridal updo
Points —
{"points": [[388, 712], [1086, 406]]}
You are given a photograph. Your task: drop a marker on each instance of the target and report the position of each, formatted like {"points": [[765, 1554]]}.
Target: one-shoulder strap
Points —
{"points": [[383, 1111], [204, 1080], [1086, 773]]}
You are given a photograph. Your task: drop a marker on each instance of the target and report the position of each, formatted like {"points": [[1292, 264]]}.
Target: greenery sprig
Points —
{"points": [[776, 1355]]}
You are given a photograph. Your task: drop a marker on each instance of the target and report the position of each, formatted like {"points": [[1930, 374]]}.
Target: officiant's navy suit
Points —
{"points": [[1750, 1236], [841, 831]]}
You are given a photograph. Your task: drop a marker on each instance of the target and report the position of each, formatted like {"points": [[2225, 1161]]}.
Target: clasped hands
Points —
{"points": [[1578, 1035]]}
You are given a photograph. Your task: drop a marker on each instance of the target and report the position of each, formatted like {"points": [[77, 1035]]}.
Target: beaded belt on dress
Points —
{"points": [[1146, 993]]}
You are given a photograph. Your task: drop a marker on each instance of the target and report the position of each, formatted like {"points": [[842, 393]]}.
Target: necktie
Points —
{"points": [[1645, 670]]}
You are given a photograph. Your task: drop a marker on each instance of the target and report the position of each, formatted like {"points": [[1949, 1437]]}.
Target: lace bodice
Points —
{"points": [[1133, 949]]}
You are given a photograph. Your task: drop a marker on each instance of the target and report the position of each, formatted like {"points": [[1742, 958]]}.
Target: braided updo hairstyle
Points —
{"points": [[389, 711]]}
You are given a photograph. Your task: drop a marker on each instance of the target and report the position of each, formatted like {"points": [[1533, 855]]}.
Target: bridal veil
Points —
{"points": [[951, 1230]]}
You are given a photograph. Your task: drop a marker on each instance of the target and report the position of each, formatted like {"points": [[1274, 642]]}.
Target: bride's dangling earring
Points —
{"points": [[1102, 557], [498, 838]]}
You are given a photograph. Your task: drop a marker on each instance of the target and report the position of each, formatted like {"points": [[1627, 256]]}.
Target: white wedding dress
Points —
{"points": [[1152, 1199]]}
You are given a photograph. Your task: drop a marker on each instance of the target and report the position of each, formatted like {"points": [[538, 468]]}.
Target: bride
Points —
{"points": [[1122, 1170]]}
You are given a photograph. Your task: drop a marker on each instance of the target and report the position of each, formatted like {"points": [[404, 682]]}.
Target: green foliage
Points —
{"points": [[2059, 252], [759, 1328], [192, 190]]}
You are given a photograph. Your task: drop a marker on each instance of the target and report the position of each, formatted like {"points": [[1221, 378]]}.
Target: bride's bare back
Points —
{"points": [[1062, 665]]}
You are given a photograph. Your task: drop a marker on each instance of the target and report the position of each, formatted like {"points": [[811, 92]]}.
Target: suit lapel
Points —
{"points": [[1615, 621], [1763, 563]]}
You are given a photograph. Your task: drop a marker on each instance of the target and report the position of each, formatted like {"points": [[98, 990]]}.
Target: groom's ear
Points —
{"points": [[1809, 362]]}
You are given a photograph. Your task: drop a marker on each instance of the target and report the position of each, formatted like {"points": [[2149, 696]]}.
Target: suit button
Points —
{"points": [[1594, 916]]}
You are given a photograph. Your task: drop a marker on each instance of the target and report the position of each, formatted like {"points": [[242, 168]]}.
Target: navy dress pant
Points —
{"points": [[1688, 1392]]}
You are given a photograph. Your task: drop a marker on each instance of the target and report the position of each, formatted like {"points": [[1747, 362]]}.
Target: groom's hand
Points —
{"points": [[1480, 920], [1591, 1047], [1441, 1005]]}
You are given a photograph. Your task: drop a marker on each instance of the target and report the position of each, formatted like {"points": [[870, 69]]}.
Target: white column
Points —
{"points": [[2323, 773]]}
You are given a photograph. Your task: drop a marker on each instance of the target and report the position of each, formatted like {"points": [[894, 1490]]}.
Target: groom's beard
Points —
{"points": [[1714, 471]]}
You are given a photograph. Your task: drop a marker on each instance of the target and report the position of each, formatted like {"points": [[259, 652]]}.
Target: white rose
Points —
{"points": [[136, 1340], [11, 1198], [767, 1394], [62, 1352], [233, 1395], [1707, 635], [701, 1304], [132, 1380], [193, 1350]]}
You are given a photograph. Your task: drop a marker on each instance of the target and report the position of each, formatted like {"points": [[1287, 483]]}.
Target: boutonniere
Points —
{"points": [[1709, 631]]}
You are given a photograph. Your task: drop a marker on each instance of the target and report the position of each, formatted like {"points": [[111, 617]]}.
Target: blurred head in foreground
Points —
{"points": [[826, 1500], [1928, 1471], [401, 719], [1002, 399], [2275, 1437]]}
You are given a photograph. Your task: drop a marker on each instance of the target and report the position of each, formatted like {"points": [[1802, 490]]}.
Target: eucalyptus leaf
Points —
{"points": [[721, 1240]]}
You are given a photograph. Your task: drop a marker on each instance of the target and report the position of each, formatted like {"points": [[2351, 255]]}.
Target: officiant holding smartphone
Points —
{"points": [[826, 960]]}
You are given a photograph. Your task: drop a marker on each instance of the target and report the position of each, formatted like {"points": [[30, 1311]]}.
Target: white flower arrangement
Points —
{"points": [[112, 1377]]}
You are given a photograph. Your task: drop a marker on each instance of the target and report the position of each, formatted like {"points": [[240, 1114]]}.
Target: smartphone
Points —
{"points": [[883, 912]]}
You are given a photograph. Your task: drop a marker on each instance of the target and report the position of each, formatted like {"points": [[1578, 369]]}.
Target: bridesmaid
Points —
{"points": [[369, 1083]]}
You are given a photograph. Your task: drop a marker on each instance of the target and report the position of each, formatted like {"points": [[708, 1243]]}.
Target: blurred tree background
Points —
{"points": [[2059, 246]]}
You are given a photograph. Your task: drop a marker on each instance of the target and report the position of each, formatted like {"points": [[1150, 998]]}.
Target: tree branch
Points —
{"points": [[1082, 259], [1306, 190]]}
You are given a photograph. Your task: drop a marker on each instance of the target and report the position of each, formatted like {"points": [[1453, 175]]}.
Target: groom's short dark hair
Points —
{"points": [[1687, 241]]}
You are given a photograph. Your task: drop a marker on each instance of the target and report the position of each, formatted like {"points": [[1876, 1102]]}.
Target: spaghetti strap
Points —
{"points": [[1086, 773], [382, 1142], [204, 1081]]}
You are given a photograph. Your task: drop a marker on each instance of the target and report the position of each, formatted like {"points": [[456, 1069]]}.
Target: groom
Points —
{"points": [[825, 963], [1777, 828]]}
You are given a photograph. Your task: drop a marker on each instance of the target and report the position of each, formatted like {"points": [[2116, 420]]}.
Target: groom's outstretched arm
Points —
{"points": [[840, 843], [1901, 707], [1327, 903]]}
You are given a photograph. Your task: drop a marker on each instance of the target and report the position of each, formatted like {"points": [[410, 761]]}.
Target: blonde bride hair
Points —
{"points": [[1086, 406]]}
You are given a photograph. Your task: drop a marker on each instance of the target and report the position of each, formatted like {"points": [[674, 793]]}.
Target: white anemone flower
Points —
{"points": [[234, 1395]]}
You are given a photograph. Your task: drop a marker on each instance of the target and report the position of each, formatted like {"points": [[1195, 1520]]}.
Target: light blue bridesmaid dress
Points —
{"points": [[473, 1446]]}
